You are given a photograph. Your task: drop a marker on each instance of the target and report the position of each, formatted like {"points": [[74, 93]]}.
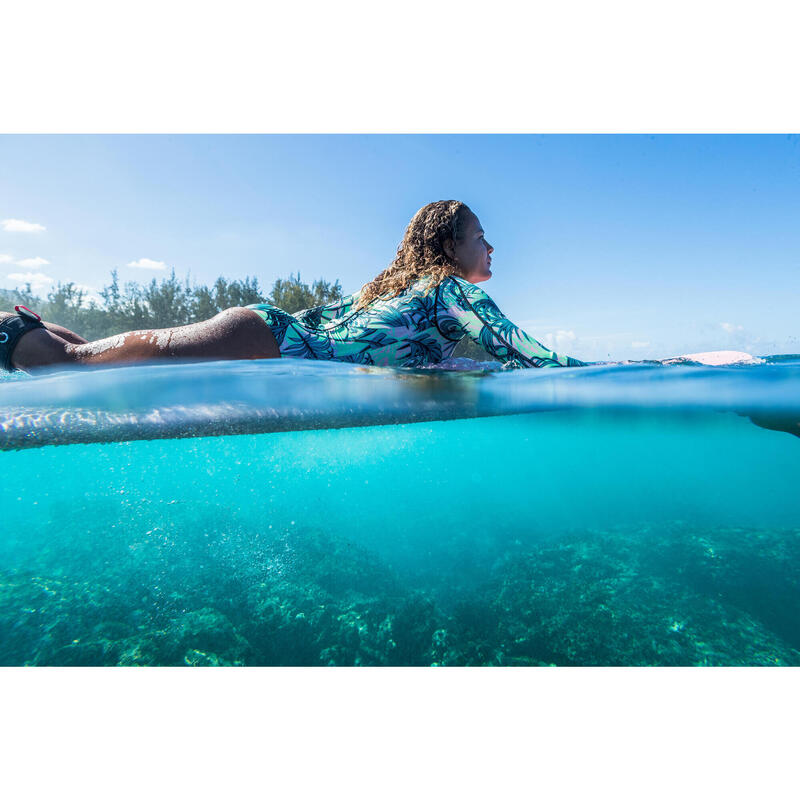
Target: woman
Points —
{"points": [[412, 314]]}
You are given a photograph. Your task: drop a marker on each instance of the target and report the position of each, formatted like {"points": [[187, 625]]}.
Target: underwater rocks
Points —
{"points": [[676, 595], [610, 600], [312, 600]]}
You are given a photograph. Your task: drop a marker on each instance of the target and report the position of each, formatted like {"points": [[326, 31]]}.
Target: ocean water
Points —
{"points": [[291, 513]]}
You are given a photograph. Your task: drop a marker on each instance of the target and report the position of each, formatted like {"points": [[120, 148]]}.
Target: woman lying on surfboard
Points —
{"points": [[413, 314]]}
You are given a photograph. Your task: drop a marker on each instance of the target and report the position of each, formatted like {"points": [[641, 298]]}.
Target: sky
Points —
{"points": [[606, 246]]}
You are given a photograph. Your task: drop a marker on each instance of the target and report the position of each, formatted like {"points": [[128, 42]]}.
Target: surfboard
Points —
{"points": [[247, 397]]}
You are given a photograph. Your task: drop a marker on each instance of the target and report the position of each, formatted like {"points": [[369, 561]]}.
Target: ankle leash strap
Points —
{"points": [[11, 329]]}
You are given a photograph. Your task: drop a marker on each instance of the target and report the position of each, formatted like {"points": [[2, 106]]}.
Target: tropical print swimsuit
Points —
{"points": [[418, 327]]}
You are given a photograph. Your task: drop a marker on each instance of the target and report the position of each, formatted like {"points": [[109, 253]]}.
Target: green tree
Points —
{"points": [[66, 304], [224, 294], [204, 304], [293, 295], [165, 304], [18, 297], [168, 303], [126, 309]]}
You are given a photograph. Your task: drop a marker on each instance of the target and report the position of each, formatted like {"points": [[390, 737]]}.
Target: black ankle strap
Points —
{"points": [[11, 329]]}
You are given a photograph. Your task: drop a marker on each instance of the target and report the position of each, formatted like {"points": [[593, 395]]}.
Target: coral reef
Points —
{"points": [[676, 595]]}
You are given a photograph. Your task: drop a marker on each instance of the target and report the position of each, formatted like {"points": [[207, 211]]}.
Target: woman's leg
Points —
{"points": [[65, 333], [236, 333]]}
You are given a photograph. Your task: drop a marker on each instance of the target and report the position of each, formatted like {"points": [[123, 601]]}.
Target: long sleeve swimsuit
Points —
{"points": [[419, 326]]}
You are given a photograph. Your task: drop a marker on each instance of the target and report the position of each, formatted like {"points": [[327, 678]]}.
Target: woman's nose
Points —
{"points": [[489, 247]]}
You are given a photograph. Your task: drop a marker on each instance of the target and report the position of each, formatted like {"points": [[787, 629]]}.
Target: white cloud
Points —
{"points": [[147, 263], [32, 263], [21, 226], [37, 280], [729, 327], [640, 345], [5, 258], [560, 341]]}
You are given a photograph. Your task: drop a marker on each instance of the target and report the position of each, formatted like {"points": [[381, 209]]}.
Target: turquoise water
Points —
{"points": [[632, 515]]}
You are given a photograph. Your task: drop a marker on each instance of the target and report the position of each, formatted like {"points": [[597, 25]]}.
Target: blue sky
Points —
{"points": [[605, 246]]}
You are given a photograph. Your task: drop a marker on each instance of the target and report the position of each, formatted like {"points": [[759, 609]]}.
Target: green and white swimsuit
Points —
{"points": [[413, 329]]}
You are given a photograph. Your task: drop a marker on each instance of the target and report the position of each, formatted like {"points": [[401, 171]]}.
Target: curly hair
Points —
{"points": [[421, 252]]}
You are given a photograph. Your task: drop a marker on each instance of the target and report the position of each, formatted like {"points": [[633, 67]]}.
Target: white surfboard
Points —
{"points": [[715, 358]]}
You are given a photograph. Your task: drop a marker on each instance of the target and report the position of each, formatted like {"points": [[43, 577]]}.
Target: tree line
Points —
{"points": [[165, 304], [172, 302]]}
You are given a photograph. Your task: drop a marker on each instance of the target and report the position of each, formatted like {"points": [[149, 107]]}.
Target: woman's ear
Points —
{"points": [[449, 249]]}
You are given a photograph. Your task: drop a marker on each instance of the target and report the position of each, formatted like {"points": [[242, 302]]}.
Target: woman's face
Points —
{"points": [[473, 253]]}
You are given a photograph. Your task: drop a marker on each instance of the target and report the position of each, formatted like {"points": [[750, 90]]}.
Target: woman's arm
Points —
{"points": [[465, 309]]}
